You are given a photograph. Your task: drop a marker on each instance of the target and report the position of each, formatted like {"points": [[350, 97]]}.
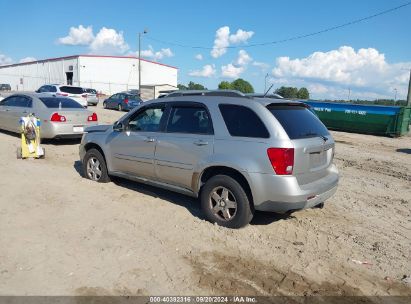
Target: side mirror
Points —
{"points": [[118, 127]]}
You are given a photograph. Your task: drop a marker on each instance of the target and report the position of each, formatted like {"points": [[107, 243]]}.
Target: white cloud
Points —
{"points": [[109, 41], [78, 36], [207, 71], [27, 59], [4, 60], [223, 39], [243, 58], [150, 53], [231, 71], [235, 69], [262, 65], [332, 72], [241, 36], [198, 57]]}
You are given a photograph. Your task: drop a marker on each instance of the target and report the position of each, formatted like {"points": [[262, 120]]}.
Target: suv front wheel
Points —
{"points": [[94, 166], [224, 201]]}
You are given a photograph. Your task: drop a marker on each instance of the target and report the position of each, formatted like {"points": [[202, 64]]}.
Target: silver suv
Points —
{"points": [[236, 154]]}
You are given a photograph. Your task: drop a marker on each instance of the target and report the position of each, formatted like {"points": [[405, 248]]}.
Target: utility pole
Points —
{"points": [[139, 60], [409, 92], [395, 96]]}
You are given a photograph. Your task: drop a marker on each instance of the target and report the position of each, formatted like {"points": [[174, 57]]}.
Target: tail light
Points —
{"points": [[56, 117], [282, 160], [84, 95], [92, 117], [126, 101], [62, 94]]}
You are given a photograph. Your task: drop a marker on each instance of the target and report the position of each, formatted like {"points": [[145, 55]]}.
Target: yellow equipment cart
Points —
{"points": [[30, 138]]}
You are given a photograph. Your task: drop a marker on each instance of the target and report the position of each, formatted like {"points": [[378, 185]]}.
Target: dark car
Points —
{"points": [[5, 87], [122, 101]]}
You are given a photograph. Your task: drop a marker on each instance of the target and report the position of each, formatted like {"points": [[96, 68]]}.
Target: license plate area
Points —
{"points": [[78, 129], [318, 159]]}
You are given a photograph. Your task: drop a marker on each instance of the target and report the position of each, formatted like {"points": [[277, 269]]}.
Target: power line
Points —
{"points": [[287, 39]]}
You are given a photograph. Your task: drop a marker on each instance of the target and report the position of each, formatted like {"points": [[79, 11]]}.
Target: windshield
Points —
{"points": [[57, 102], [298, 121]]}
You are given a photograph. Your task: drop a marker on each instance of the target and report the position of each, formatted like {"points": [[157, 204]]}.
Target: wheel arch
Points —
{"points": [[238, 176], [93, 145]]}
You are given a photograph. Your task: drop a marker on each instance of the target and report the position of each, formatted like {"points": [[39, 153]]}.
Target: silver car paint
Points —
{"points": [[175, 162], [9, 118]]}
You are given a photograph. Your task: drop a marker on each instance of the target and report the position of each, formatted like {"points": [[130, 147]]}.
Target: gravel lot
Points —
{"points": [[61, 234]]}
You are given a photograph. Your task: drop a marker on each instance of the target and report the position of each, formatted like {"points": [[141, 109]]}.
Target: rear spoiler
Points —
{"points": [[289, 104]]}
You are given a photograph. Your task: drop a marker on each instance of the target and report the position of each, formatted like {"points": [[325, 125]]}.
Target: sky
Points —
{"points": [[367, 60]]}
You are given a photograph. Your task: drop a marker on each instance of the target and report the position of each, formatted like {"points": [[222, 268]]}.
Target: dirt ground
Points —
{"points": [[61, 234]]}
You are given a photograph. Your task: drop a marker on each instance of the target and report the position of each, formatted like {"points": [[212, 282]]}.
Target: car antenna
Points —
{"points": [[265, 94]]}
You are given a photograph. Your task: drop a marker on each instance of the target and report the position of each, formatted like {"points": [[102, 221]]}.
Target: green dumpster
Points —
{"points": [[367, 119]]}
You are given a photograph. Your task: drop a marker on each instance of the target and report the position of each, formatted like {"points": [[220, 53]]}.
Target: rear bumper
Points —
{"points": [[57, 130], [283, 193]]}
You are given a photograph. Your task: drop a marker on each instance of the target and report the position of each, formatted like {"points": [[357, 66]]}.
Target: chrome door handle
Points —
{"points": [[201, 143], [150, 139]]}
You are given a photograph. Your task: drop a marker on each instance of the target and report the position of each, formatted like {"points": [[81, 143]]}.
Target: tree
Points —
{"points": [[287, 92], [182, 87], [242, 86], [303, 93], [196, 86], [224, 85]]}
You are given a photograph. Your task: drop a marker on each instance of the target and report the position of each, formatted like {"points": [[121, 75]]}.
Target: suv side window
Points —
{"points": [[241, 121], [52, 89], [189, 119], [147, 120]]}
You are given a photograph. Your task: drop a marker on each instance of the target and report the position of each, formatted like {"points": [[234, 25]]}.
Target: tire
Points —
{"points": [[120, 107], [219, 211], [94, 167]]}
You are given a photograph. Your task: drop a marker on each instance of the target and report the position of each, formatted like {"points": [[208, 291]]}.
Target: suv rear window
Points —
{"points": [[243, 122], [54, 102], [298, 121], [72, 90]]}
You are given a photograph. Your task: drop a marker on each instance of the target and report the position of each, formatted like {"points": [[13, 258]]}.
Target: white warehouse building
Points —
{"points": [[106, 74]]}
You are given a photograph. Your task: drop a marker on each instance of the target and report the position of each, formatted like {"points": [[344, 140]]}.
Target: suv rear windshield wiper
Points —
{"points": [[313, 134]]}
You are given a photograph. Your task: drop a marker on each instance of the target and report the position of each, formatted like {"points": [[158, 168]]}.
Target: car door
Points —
{"points": [[132, 149], [4, 112], [111, 101], [188, 140], [19, 107]]}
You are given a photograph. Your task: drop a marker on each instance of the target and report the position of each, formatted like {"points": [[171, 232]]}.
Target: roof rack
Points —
{"points": [[225, 93]]}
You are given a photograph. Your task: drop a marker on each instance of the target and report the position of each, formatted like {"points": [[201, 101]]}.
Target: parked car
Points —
{"points": [[5, 87], [61, 117], [122, 101], [76, 93], [92, 97], [237, 154]]}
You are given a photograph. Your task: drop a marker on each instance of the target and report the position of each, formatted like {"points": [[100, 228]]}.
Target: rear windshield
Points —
{"points": [[72, 90], [298, 121], [134, 97], [57, 102]]}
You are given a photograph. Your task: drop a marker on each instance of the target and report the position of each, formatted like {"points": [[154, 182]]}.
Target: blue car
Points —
{"points": [[122, 102]]}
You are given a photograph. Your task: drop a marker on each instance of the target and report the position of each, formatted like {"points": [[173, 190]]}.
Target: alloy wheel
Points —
{"points": [[223, 203], [94, 168]]}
